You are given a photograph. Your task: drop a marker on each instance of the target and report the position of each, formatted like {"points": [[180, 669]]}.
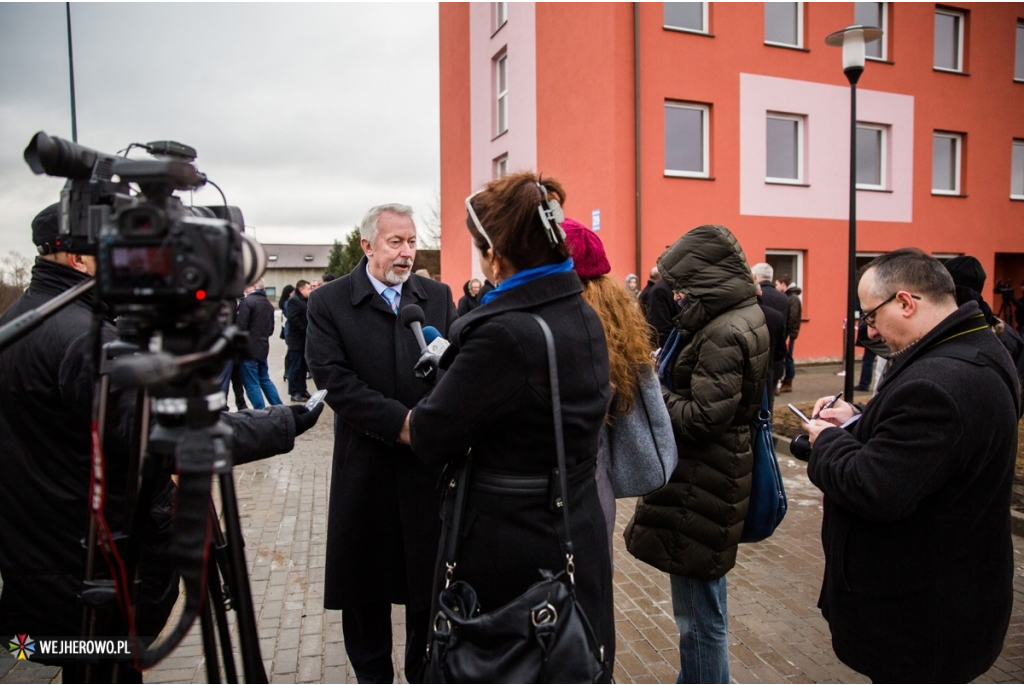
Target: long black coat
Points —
{"points": [[295, 311], [256, 315], [383, 524], [661, 309], [918, 559], [495, 398]]}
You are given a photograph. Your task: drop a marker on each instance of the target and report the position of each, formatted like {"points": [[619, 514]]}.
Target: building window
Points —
{"points": [[787, 262], [501, 94], [686, 139], [686, 16], [1018, 63], [784, 148], [873, 14], [500, 11], [501, 167], [1017, 172], [784, 24], [949, 40], [946, 152], [872, 156]]}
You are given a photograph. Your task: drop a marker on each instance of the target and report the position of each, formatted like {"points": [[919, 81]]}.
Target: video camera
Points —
{"points": [[157, 259]]}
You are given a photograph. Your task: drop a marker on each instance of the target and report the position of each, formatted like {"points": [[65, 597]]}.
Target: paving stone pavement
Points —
{"points": [[776, 632]]}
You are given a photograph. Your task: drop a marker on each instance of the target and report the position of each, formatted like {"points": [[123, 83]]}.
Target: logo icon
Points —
{"points": [[24, 645]]}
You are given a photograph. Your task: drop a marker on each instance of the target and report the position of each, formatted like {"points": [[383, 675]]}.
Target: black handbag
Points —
{"points": [[542, 636]]}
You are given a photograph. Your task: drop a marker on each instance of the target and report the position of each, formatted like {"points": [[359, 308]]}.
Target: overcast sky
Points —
{"points": [[305, 115]]}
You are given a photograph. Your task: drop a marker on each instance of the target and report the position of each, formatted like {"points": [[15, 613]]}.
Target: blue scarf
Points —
{"points": [[527, 275]]}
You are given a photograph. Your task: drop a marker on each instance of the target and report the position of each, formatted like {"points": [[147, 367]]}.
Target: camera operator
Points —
{"points": [[46, 396]]}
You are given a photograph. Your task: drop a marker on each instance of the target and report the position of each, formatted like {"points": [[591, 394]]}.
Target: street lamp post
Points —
{"points": [[852, 39]]}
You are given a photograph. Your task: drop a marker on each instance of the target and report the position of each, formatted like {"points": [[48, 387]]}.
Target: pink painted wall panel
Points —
{"points": [[826, 109], [519, 37]]}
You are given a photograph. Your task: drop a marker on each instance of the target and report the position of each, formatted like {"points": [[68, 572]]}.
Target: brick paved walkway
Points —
{"points": [[776, 632]]}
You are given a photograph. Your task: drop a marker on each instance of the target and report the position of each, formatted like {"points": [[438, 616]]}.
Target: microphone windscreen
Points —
{"points": [[411, 313], [430, 334]]}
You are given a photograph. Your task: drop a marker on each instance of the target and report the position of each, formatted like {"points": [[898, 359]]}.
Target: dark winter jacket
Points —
{"points": [[795, 312], [919, 564], [256, 316], [495, 398], [662, 308], [46, 390], [1010, 339], [692, 526], [295, 310], [776, 324], [382, 523], [774, 299], [467, 302]]}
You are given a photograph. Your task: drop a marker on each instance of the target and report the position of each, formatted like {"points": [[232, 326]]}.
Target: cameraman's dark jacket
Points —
{"points": [[256, 315], [46, 392]]}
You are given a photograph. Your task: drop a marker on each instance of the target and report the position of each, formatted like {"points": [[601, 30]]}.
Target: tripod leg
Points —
{"points": [[216, 583], [252, 661], [209, 644]]}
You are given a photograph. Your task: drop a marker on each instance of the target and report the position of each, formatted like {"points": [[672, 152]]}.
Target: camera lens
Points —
{"points": [[800, 447]]}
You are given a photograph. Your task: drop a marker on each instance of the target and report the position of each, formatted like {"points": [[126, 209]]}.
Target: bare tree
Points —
{"points": [[16, 269], [430, 236]]}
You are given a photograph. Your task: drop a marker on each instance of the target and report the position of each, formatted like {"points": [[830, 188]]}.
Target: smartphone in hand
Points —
{"points": [[316, 399], [799, 413]]}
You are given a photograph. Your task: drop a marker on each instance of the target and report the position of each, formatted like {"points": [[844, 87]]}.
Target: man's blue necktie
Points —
{"points": [[391, 295]]}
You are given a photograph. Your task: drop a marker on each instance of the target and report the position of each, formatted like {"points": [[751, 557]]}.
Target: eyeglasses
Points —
{"points": [[868, 318], [476, 221]]}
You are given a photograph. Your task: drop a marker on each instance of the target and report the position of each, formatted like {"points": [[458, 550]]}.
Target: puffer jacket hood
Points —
{"points": [[794, 290], [709, 267]]}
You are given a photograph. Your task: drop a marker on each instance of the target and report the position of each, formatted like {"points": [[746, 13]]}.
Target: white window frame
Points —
{"points": [[800, 133], [959, 41], [798, 277], [500, 169], [799, 31], [704, 22], [884, 40], [499, 15], [706, 136], [1017, 142], [1018, 47], [500, 96], [959, 138], [883, 159]]}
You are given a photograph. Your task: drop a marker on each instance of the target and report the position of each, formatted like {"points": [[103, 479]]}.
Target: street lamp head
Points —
{"points": [[853, 39]]}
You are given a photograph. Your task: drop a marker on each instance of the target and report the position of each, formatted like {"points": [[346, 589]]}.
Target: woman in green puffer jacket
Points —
{"points": [[715, 377]]}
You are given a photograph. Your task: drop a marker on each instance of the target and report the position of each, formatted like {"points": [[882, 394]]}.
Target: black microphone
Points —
{"points": [[412, 317]]}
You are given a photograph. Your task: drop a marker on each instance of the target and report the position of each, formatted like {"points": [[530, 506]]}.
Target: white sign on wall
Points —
{"points": [[595, 219]]}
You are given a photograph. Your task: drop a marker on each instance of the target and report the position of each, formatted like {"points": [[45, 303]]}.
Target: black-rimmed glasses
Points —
{"points": [[868, 318]]}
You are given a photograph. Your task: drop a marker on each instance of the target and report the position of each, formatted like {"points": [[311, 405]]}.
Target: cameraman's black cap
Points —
{"points": [[46, 231], [967, 271]]}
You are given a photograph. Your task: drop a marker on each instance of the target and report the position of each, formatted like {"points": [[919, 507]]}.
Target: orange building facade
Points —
{"points": [[740, 116]]}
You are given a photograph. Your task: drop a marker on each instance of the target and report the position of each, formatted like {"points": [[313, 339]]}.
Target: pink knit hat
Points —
{"points": [[586, 249]]}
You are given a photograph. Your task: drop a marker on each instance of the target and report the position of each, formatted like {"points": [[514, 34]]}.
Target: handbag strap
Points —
{"points": [[563, 478], [461, 483]]}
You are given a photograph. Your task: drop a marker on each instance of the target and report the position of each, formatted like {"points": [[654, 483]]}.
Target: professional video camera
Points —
{"points": [[167, 272]]}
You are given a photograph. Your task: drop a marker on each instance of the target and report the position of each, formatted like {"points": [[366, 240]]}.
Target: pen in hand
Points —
{"points": [[828, 405]]}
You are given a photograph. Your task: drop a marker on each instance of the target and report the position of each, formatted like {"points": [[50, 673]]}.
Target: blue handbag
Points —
{"points": [[767, 493]]}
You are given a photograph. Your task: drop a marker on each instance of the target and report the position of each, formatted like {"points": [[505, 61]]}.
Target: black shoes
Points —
{"points": [[301, 397]]}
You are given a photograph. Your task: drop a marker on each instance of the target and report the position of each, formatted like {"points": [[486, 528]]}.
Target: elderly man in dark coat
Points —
{"points": [[383, 525], [918, 580]]}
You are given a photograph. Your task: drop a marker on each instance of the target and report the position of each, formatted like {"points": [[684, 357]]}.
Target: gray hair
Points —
{"points": [[911, 269], [368, 229], [763, 270]]}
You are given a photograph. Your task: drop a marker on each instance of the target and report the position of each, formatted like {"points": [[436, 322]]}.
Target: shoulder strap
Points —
{"points": [[556, 405], [461, 483]]}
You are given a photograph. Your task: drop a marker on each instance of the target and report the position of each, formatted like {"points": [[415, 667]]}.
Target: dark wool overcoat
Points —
{"points": [[692, 526], [256, 316], [918, 580], [383, 523], [495, 398]]}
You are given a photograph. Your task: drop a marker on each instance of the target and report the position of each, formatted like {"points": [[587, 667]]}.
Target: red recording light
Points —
{"points": [[200, 294]]}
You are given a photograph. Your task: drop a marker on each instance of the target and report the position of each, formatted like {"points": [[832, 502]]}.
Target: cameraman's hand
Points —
{"points": [[837, 414], [426, 367], [304, 418]]}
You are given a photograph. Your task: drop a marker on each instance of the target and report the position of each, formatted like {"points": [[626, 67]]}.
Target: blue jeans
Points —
{"points": [[256, 378], [790, 366], [703, 619]]}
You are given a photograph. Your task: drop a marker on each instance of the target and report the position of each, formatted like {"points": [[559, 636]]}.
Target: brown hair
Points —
{"points": [[628, 335], [507, 209]]}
